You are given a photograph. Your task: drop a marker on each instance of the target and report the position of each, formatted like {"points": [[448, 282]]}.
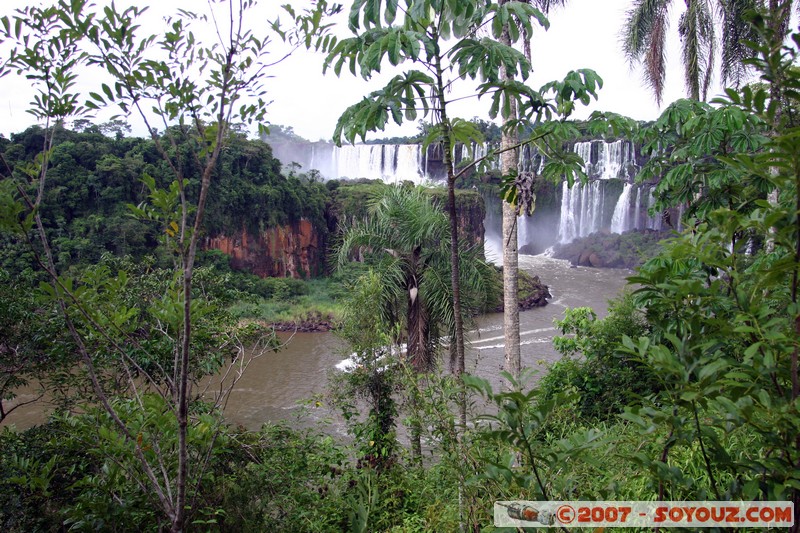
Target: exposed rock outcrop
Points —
{"points": [[294, 250], [612, 250], [531, 293], [298, 249], [312, 323]]}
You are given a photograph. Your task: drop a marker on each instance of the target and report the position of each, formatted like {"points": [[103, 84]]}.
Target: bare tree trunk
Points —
{"points": [[455, 274], [780, 11], [416, 421], [508, 165], [510, 288]]}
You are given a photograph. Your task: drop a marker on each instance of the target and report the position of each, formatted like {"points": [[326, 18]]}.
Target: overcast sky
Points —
{"points": [[585, 34]]}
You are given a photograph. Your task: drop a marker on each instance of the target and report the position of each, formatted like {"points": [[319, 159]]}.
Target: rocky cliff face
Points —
{"points": [[471, 213], [294, 250], [298, 249]]}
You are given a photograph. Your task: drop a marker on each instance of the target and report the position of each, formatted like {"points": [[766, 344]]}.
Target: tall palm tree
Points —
{"points": [[645, 32], [408, 239]]}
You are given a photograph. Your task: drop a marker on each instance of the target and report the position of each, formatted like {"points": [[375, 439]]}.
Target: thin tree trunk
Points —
{"points": [[510, 296], [778, 26], [416, 422], [693, 69], [455, 274], [508, 165], [188, 273], [780, 11]]}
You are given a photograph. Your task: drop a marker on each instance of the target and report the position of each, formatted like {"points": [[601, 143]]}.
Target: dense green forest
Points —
{"points": [[95, 179], [687, 390]]}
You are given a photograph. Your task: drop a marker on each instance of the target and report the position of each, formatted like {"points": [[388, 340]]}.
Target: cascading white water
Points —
{"points": [[408, 163], [567, 224], [656, 220], [619, 220], [584, 150], [582, 208], [466, 153], [481, 150], [389, 158], [387, 162], [615, 159]]}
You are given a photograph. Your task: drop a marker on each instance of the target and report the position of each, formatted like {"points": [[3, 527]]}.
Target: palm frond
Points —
{"points": [[736, 32], [407, 242], [546, 5], [369, 233], [643, 40], [699, 47]]}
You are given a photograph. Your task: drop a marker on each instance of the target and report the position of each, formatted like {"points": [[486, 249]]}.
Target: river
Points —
{"points": [[276, 386]]}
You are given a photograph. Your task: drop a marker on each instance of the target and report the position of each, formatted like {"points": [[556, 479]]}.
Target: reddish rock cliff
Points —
{"points": [[298, 249], [292, 250]]}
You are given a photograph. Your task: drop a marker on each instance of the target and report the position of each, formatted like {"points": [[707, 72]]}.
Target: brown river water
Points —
{"points": [[278, 386]]}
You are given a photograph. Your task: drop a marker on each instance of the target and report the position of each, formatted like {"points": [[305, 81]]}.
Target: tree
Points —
{"points": [[373, 376], [196, 91], [22, 355], [408, 238], [725, 326], [421, 38], [509, 162], [645, 32], [644, 37]]}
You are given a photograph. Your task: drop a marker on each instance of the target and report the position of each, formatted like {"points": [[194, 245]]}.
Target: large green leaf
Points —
{"points": [[485, 57]]}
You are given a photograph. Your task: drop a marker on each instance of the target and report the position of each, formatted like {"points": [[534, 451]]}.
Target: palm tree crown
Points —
{"points": [[646, 26], [407, 238], [644, 37]]}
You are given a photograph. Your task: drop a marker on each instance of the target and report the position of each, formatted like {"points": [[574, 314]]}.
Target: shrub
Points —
{"points": [[606, 379]]}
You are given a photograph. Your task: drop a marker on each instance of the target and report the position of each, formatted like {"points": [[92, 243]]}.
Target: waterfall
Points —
{"points": [[582, 208], [465, 152], [387, 162], [567, 229], [584, 150], [607, 160], [655, 220], [615, 159], [408, 163], [619, 221]]}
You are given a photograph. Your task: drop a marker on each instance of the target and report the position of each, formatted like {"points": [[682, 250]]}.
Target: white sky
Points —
{"points": [[585, 34]]}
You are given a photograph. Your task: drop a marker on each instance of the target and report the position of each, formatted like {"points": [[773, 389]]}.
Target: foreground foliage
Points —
{"points": [[708, 342]]}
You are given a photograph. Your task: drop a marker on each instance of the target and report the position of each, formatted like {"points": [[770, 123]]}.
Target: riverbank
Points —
{"points": [[319, 307], [315, 306]]}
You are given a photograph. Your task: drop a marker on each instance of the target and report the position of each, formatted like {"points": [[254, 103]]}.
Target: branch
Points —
{"points": [[496, 152], [4, 412]]}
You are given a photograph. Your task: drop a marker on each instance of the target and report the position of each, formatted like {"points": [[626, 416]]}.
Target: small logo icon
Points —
{"points": [[565, 514], [527, 513]]}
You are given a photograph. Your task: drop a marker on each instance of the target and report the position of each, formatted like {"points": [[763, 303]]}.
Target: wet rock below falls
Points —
{"points": [[612, 250], [531, 293]]}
